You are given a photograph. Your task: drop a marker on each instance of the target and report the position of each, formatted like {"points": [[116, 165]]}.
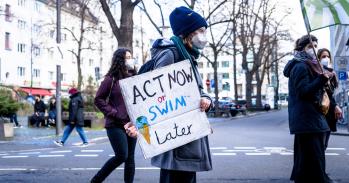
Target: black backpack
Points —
{"points": [[150, 64]]}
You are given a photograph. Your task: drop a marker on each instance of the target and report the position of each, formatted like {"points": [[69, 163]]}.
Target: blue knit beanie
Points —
{"points": [[185, 21]]}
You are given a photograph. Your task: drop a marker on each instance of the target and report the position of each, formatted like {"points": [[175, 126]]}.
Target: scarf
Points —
{"points": [[184, 51]]}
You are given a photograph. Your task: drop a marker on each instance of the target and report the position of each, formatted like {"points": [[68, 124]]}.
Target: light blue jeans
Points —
{"points": [[69, 128]]}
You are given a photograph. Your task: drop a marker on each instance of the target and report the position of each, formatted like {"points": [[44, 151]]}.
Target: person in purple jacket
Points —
{"points": [[109, 100]]}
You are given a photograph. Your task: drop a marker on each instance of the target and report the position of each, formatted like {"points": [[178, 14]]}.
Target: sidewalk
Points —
{"points": [[342, 130]]}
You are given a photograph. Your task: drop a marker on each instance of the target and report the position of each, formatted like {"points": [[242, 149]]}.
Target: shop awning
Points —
{"points": [[37, 91]]}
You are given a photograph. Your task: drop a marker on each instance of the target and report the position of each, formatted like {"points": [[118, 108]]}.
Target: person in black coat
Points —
{"points": [[76, 118], [39, 112], [306, 121], [335, 112]]}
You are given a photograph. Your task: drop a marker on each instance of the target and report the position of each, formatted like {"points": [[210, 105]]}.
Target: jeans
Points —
{"points": [[69, 128], [13, 118], [124, 148], [38, 119], [52, 115]]}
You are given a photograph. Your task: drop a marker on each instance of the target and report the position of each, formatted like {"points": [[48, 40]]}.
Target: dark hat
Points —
{"points": [[72, 91], [302, 42], [185, 21]]}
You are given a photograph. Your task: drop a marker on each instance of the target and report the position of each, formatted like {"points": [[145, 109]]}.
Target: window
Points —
{"points": [[52, 33], [90, 62], [217, 64], [200, 65], [36, 50], [21, 47], [37, 6], [225, 75], [8, 13], [7, 41], [36, 73], [20, 71], [36, 28], [225, 64], [208, 65], [50, 75], [64, 77], [21, 3], [21, 24]]}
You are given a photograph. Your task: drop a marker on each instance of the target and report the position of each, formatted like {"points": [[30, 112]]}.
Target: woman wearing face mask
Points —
{"points": [[306, 121], [109, 100], [189, 29], [335, 112]]}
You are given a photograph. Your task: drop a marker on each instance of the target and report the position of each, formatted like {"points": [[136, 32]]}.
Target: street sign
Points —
{"points": [[341, 63], [342, 75]]}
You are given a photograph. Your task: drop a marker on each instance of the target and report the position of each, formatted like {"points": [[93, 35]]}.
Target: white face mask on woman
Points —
{"points": [[199, 41], [325, 61], [311, 53], [130, 64]]}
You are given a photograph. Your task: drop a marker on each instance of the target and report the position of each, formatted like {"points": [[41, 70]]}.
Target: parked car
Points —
{"points": [[225, 106]]}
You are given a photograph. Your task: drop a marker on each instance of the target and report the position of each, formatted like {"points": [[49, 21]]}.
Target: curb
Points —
{"points": [[340, 134]]}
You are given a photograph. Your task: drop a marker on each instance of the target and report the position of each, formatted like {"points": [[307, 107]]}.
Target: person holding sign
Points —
{"points": [[109, 100], [189, 29]]}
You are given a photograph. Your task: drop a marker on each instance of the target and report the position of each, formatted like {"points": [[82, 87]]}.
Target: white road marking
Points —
{"points": [[218, 148], [51, 155], [30, 153], [3, 154], [86, 155], [111, 155], [273, 148], [245, 148], [331, 154], [13, 169], [66, 151], [286, 153], [15, 157], [258, 154], [92, 150], [239, 150], [224, 154], [336, 149]]}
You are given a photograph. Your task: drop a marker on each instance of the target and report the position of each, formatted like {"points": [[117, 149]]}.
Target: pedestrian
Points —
{"points": [[306, 120], [52, 111], [76, 118], [109, 100], [335, 112], [39, 112], [189, 29]]}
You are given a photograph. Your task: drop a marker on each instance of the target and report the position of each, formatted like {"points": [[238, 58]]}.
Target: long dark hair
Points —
{"points": [[118, 68], [320, 51]]}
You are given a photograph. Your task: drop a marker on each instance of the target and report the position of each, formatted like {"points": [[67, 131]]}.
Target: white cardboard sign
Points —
{"points": [[164, 106]]}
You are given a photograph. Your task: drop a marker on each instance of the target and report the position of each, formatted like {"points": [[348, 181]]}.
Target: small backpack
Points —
{"points": [[150, 64]]}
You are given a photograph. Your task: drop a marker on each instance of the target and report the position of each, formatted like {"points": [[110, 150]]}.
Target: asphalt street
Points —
{"points": [[245, 149]]}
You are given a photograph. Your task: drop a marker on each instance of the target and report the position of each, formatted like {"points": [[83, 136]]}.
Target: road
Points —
{"points": [[252, 149]]}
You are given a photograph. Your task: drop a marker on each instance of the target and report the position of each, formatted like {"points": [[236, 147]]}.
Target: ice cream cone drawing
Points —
{"points": [[143, 127]]}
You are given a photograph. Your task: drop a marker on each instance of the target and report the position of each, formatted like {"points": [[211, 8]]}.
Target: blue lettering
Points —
{"points": [[152, 112], [164, 110], [180, 101]]}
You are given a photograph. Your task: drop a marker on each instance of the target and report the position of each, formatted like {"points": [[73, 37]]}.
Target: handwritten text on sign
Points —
{"points": [[164, 105]]}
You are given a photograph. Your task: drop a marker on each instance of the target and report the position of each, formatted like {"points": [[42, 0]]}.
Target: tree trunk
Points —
{"points": [[249, 88], [125, 36], [215, 77]]}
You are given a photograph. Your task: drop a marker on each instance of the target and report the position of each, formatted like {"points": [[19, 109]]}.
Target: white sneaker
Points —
{"points": [[58, 143]]}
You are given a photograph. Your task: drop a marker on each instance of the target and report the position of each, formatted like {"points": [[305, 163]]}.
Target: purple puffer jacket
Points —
{"points": [[114, 111]]}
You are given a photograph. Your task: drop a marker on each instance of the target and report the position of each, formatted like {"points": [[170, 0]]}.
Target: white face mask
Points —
{"points": [[130, 64], [311, 53], [325, 61], [199, 41]]}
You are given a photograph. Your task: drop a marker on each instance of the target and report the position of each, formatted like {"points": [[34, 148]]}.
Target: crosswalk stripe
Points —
{"points": [[239, 150], [224, 154], [49, 156], [86, 155], [30, 153], [65, 151], [258, 154], [245, 148], [15, 157], [92, 150], [331, 154], [286, 153], [336, 148]]}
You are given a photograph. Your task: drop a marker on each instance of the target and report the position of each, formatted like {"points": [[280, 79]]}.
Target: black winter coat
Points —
{"points": [[76, 109], [304, 90], [330, 116], [39, 106]]}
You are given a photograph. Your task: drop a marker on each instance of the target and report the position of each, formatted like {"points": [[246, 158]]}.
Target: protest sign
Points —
{"points": [[164, 106]]}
